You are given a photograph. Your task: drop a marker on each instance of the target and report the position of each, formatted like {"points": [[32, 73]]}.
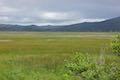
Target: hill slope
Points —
{"points": [[104, 26]]}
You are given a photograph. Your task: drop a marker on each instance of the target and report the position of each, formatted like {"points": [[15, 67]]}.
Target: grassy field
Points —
{"points": [[41, 55]]}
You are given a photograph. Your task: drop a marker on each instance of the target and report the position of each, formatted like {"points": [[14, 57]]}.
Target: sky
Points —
{"points": [[57, 12]]}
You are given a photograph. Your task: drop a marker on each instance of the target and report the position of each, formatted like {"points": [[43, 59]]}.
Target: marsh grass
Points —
{"points": [[40, 56]]}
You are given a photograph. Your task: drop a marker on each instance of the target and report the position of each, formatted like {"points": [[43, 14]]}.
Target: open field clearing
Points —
{"points": [[41, 55]]}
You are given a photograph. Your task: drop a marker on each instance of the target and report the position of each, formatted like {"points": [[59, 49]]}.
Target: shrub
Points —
{"points": [[116, 45], [102, 72], [84, 66], [78, 63]]}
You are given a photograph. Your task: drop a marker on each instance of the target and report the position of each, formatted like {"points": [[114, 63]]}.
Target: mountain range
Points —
{"points": [[110, 25]]}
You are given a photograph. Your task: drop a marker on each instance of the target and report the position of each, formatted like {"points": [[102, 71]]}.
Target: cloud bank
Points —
{"points": [[57, 11]]}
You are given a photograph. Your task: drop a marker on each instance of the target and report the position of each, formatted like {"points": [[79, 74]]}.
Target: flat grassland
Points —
{"points": [[41, 55]]}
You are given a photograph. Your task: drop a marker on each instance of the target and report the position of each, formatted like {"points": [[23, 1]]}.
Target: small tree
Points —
{"points": [[116, 45]]}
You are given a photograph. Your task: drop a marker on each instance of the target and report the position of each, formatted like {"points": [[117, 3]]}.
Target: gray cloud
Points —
{"points": [[57, 11]]}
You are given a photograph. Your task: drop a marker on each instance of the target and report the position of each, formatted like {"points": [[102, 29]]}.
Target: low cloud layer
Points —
{"points": [[57, 11]]}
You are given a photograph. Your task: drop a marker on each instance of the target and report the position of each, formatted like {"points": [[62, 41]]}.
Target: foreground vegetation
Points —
{"points": [[42, 56], [86, 67]]}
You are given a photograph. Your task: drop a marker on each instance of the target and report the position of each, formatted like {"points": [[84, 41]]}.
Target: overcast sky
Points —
{"points": [[57, 11]]}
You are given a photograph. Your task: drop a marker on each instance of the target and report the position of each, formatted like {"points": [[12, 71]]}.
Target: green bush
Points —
{"points": [[116, 45], [84, 66], [102, 72], [78, 63]]}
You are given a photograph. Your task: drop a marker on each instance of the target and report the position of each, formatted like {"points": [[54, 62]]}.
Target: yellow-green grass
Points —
{"points": [[41, 55]]}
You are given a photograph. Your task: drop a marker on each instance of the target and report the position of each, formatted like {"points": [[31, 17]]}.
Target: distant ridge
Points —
{"points": [[110, 25]]}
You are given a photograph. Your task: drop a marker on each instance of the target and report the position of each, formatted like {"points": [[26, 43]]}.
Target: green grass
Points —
{"points": [[41, 55]]}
